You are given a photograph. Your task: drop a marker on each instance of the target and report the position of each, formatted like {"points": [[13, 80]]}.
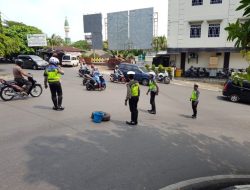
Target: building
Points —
{"points": [[66, 29], [197, 37]]}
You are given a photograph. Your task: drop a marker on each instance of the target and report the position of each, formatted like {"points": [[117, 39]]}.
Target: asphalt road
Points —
{"points": [[43, 149]]}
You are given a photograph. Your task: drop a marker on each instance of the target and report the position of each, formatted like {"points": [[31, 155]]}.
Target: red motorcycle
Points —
{"points": [[10, 89]]}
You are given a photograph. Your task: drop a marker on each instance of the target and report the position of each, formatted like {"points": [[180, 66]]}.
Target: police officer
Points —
{"points": [[52, 75], [133, 93], [195, 100], [154, 90]]}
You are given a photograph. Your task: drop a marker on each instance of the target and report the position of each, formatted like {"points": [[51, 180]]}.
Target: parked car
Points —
{"points": [[141, 73], [236, 92], [5, 60], [32, 62], [70, 60]]}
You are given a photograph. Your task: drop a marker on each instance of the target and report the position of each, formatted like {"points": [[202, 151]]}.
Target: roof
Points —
{"points": [[66, 49]]}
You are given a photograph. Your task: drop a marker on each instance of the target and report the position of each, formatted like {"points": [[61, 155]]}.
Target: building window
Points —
{"points": [[215, 1], [214, 30], [195, 31], [197, 2]]}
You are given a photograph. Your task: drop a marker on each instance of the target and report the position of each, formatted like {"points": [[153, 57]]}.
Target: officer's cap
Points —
{"points": [[130, 73]]}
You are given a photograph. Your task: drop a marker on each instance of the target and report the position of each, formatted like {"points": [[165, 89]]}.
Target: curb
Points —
{"points": [[201, 86], [210, 183]]}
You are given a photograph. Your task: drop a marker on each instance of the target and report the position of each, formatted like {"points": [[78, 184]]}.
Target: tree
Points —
{"points": [[105, 46], [159, 43], [55, 40], [245, 4], [8, 46], [81, 44], [240, 33], [18, 32]]}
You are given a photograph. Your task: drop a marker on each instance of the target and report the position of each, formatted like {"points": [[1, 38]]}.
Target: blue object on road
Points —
{"points": [[98, 117]]}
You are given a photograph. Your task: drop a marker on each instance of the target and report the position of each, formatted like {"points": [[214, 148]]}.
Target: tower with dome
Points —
{"points": [[66, 29]]}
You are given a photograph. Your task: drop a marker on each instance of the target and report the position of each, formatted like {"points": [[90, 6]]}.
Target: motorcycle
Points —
{"points": [[202, 72], [85, 79], [93, 85], [163, 78], [191, 72], [222, 75], [11, 89], [82, 72], [120, 78]]}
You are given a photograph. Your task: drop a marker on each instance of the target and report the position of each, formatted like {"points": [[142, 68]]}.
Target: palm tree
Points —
{"points": [[55, 40], [245, 4], [240, 32], [159, 43]]}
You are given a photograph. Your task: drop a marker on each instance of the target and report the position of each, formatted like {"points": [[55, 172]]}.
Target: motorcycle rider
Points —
{"points": [[96, 77], [133, 93], [117, 73], [92, 67], [52, 75], [154, 90], [19, 75]]}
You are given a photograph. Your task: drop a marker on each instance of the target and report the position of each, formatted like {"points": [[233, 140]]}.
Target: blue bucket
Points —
{"points": [[98, 117]]}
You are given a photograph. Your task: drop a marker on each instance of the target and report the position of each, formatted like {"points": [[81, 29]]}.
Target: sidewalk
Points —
{"points": [[202, 85]]}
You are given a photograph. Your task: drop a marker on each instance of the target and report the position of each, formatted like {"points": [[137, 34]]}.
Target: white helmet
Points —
{"points": [[54, 61], [152, 73]]}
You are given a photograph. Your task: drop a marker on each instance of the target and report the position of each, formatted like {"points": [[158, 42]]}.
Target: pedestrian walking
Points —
{"points": [[133, 93], [52, 75], [195, 100], [154, 90]]}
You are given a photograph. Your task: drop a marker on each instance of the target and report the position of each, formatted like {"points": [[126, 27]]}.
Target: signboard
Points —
{"points": [[118, 30], [36, 40], [141, 28], [92, 23]]}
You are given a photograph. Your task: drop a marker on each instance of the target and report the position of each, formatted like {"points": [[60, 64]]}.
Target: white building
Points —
{"points": [[196, 33]]}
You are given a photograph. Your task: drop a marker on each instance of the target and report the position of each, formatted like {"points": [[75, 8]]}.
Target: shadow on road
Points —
{"points": [[142, 110], [186, 116], [42, 107], [146, 158]]}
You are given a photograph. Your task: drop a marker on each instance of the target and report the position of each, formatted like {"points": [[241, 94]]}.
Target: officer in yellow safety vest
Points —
{"points": [[195, 100], [52, 75], [133, 93], [154, 90]]}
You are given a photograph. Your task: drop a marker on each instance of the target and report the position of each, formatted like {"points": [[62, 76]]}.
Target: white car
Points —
{"points": [[70, 60]]}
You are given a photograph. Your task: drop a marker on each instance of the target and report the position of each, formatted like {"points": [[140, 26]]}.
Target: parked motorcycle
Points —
{"points": [[93, 85], [120, 78], [163, 78], [222, 75], [191, 72], [10, 89], [202, 72]]}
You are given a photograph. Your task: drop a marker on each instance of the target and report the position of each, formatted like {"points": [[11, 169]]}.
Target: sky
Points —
{"points": [[49, 15]]}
